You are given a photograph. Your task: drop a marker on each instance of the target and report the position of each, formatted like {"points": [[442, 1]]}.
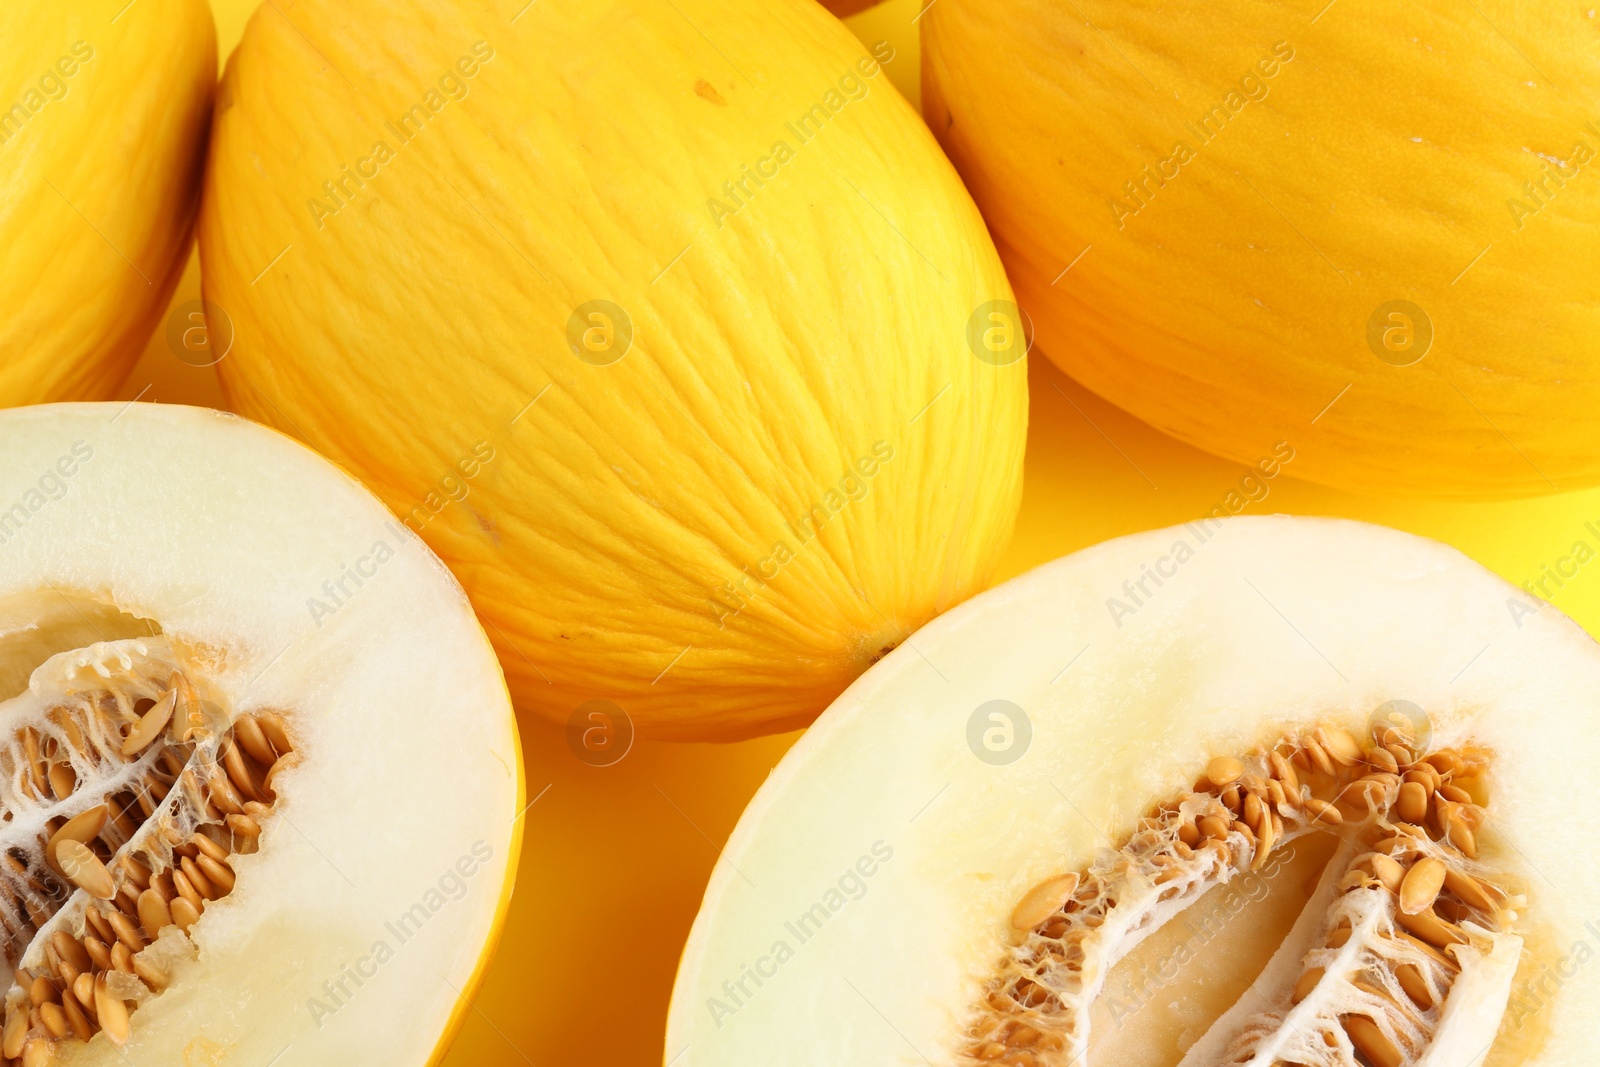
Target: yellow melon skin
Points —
{"points": [[843, 8], [1362, 155], [104, 109], [797, 459]]}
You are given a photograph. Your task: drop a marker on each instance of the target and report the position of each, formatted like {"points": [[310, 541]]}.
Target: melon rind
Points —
{"points": [[1266, 622]]}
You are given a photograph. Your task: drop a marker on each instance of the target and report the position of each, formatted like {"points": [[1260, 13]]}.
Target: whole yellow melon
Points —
{"points": [[668, 326], [1367, 230], [104, 107]]}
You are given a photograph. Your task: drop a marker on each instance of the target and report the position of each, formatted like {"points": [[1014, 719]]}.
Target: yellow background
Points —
{"points": [[615, 859]]}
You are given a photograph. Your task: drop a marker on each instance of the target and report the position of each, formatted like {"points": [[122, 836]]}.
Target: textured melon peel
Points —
{"points": [[187, 538], [1250, 191], [89, 88], [846, 8], [1267, 628], [798, 458]]}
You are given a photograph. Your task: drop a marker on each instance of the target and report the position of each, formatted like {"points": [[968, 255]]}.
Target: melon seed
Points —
{"points": [[277, 731], [82, 1028], [98, 952], [83, 827], [184, 914], [111, 1013], [1370, 1041], [153, 913], [1460, 835], [1043, 900], [83, 988], [16, 1032], [1223, 771], [1412, 803], [1341, 746], [54, 1019], [62, 780], [1323, 812], [201, 883], [150, 974], [150, 725], [1432, 929], [1468, 889], [85, 869], [219, 874], [1388, 871], [67, 948], [1283, 770], [1421, 886], [250, 735]]}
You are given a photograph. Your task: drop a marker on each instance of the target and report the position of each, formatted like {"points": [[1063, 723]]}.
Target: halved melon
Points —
{"points": [[1262, 791], [259, 777]]}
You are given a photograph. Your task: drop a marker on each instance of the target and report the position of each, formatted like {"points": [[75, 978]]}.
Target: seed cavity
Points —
{"points": [[1413, 917], [127, 794]]}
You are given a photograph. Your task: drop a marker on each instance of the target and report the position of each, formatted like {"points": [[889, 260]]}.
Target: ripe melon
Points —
{"points": [[667, 325], [258, 765], [1251, 791], [104, 108], [1367, 231]]}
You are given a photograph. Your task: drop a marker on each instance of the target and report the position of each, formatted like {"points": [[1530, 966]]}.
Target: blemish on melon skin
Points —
{"points": [[706, 91], [488, 526]]}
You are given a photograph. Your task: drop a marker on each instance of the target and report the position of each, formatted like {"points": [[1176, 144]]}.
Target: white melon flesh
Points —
{"points": [[863, 907], [140, 544]]}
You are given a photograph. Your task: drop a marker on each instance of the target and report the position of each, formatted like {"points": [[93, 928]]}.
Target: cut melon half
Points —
{"points": [[1259, 791], [259, 775]]}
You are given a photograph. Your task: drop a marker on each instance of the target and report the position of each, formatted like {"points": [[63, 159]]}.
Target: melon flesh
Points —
{"points": [[865, 912], [177, 583]]}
